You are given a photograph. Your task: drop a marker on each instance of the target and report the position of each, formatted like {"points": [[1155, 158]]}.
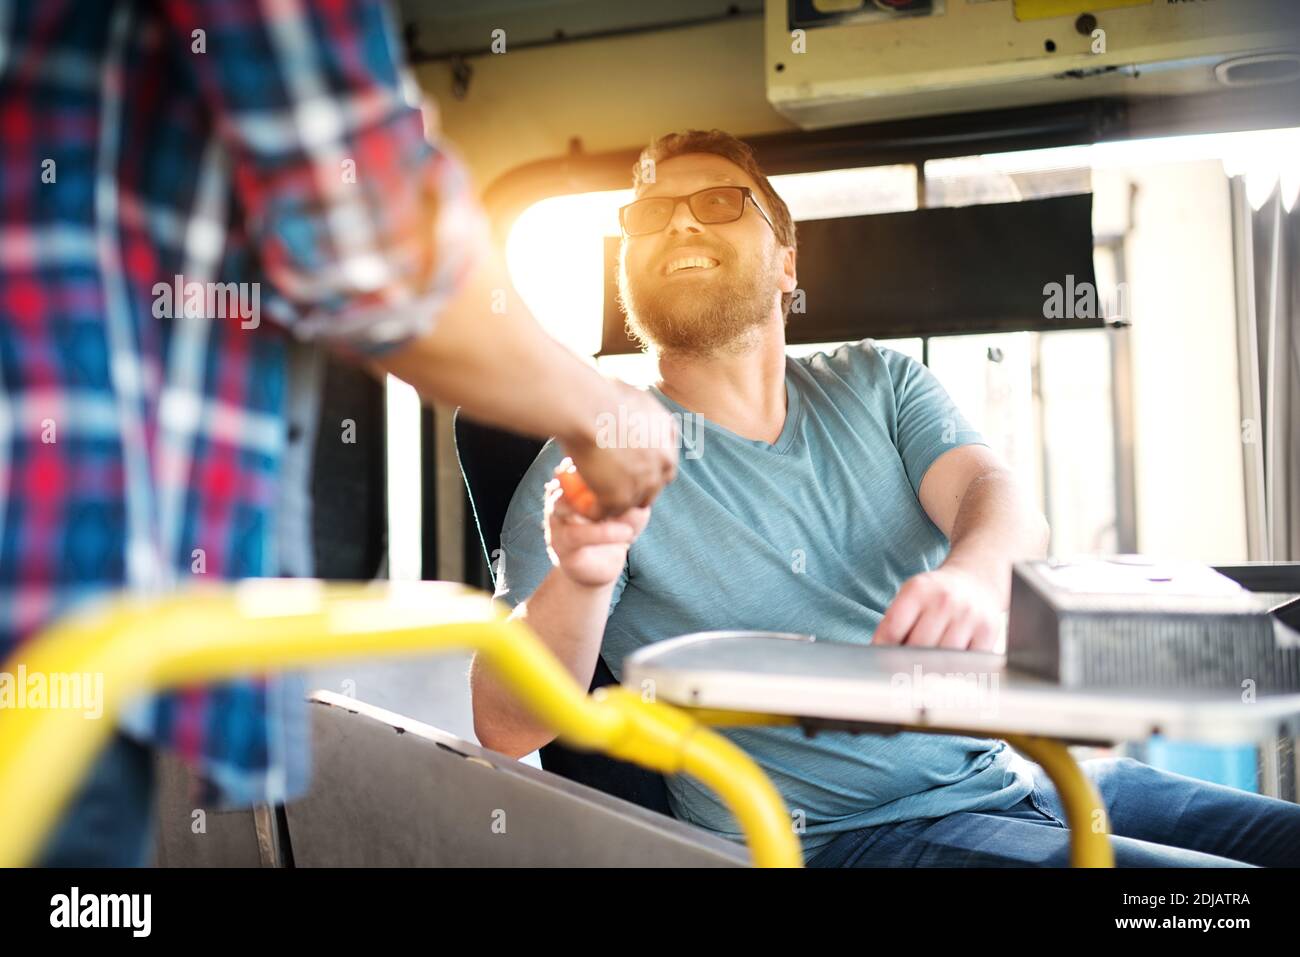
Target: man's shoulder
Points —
{"points": [[864, 366], [855, 358]]}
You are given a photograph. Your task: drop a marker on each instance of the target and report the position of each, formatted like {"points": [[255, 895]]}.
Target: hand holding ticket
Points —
{"points": [[590, 551], [575, 491]]}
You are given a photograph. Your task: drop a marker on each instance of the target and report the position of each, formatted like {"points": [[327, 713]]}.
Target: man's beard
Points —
{"points": [[695, 318]]}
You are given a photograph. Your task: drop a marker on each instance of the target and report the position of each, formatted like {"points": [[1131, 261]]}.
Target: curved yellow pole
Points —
{"points": [[687, 746], [214, 633], [1084, 812]]}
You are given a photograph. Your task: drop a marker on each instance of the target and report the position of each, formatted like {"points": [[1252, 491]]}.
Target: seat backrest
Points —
{"points": [[414, 799], [493, 463]]}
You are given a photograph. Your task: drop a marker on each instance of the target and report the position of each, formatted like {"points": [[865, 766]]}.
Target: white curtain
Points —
{"points": [[1267, 245]]}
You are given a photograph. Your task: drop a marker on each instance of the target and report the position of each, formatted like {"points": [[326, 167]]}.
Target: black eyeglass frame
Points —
{"points": [[748, 197]]}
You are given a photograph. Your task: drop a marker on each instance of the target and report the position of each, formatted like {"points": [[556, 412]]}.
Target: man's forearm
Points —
{"points": [[570, 620], [995, 527], [501, 367]]}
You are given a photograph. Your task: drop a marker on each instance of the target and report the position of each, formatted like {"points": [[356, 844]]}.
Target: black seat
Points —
{"points": [[493, 462]]}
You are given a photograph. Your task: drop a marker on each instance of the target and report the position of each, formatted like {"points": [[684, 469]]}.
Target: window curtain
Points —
{"points": [[1267, 248]]}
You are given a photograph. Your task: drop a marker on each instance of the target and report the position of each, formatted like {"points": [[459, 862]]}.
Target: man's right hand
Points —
{"points": [[624, 475], [588, 552]]}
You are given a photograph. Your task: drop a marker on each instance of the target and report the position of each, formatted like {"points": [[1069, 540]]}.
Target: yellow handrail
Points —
{"points": [[1084, 811], [216, 632]]}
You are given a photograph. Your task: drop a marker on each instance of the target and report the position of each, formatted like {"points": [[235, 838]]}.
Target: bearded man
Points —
{"points": [[840, 495]]}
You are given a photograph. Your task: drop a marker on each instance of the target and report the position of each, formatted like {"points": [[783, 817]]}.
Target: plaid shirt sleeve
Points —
{"points": [[364, 229]]}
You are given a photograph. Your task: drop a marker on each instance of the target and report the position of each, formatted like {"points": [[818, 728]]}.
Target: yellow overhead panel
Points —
{"points": [[1000, 54], [1042, 9]]}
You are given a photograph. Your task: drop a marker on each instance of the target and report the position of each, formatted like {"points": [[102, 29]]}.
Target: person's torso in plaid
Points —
{"points": [[267, 145]]}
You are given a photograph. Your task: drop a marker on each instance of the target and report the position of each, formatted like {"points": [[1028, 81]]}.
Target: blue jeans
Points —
{"points": [[1157, 819], [110, 821]]}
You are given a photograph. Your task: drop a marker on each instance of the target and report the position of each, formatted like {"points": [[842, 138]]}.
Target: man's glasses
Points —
{"points": [[716, 204]]}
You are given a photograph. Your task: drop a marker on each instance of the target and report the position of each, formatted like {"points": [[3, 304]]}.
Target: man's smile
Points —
{"points": [[690, 264], [688, 258]]}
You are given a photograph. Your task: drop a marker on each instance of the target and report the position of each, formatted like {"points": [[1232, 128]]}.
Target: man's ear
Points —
{"points": [[789, 274]]}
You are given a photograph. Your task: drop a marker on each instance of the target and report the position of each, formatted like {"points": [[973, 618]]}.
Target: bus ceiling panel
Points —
{"points": [[446, 29], [999, 267]]}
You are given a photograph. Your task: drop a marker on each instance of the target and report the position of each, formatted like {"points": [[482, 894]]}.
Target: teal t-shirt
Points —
{"points": [[815, 534]]}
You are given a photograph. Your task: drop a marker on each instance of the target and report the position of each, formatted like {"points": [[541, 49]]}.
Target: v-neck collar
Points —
{"points": [[789, 431]]}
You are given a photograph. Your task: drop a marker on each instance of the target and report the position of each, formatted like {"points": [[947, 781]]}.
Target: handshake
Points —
{"points": [[599, 500], [588, 550], [607, 476]]}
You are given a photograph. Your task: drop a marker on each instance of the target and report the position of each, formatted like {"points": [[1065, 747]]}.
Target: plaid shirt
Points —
{"points": [[263, 159]]}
